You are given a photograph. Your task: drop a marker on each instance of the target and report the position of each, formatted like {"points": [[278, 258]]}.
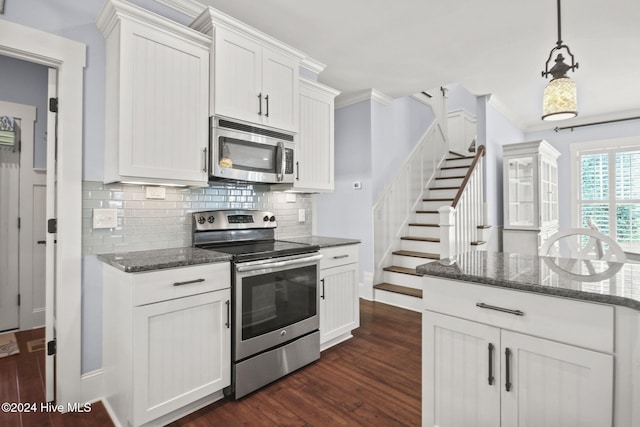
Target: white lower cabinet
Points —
{"points": [[167, 341], [339, 299], [480, 369]]}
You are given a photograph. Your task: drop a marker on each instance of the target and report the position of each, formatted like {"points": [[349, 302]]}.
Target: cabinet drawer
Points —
{"points": [[574, 322], [173, 283], [338, 255]]}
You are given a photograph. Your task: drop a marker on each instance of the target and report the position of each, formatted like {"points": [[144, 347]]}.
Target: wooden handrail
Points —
{"points": [[479, 153]]}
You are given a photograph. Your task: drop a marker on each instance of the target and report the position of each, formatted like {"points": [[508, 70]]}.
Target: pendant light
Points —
{"points": [[559, 101]]}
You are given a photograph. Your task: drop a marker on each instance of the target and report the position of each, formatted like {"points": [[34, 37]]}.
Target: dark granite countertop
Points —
{"points": [[590, 280], [322, 241], [136, 262]]}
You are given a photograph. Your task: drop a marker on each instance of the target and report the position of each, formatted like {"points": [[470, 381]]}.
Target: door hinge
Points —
{"points": [[18, 300], [53, 105], [19, 222], [51, 347], [52, 226]]}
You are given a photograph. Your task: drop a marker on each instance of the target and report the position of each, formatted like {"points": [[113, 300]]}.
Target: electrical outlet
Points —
{"points": [[301, 215], [105, 218], [357, 185], [153, 192]]}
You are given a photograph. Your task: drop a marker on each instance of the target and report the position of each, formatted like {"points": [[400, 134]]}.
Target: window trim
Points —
{"points": [[599, 146]]}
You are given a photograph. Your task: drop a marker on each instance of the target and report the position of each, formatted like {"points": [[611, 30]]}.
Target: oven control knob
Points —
{"points": [[266, 218], [201, 220], [211, 219], [272, 219]]}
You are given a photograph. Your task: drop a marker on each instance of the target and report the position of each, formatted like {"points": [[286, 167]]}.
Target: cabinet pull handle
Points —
{"points": [[491, 364], [204, 163], [41, 242], [228, 323], [260, 103], [507, 384], [341, 256], [322, 296], [188, 282], [297, 171], [504, 310], [266, 98]]}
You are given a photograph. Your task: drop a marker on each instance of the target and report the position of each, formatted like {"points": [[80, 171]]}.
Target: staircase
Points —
{"points": [[400, 285]]}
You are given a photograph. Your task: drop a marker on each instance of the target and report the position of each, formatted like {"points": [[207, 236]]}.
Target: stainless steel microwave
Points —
{"points": [[246, 152]]}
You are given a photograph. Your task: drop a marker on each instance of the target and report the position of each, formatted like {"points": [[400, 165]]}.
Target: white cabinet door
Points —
{"points": [[280, 91], [163, 105], [181, 352], [457, 366], [553, 384], [314, 145], [339, 303], [238, 77]]}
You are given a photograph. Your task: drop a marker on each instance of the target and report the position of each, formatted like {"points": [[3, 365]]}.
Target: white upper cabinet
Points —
{"points": [[255, 77], [157, 93], [315, 141]]}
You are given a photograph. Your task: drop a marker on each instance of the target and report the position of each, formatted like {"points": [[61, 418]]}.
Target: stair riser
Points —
{"points": [[434, 205], [413, 245], [398, 300], [436, 193], [457, 162], [408, 280], [454, 172], [428, 218], [409, 261], [457, 182], [417, 231]]}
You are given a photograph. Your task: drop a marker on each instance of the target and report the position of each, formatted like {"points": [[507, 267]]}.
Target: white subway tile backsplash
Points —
{"points": [[145, 224]]}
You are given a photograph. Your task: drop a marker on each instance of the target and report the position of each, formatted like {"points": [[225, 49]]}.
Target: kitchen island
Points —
{"points": [[514, 339]]}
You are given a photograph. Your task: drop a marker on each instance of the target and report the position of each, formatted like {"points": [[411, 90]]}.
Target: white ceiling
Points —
{"points": [[496, 47]]}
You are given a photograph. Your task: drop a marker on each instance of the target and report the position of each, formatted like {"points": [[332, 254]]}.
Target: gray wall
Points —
{"points": [[459, 98], [372, 142]]}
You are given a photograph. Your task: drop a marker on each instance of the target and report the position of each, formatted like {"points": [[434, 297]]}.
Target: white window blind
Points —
{"points": [[609, 191]]}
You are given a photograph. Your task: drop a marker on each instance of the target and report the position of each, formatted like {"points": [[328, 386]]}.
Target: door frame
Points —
{"points": [[69, 58]]}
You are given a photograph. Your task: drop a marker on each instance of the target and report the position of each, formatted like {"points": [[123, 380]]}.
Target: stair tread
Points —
{"points": [[450, 177], [417, 224], [456, 153], [404, 290], [403, 270], [437, 200], [421, 239], [460, 158], [427, 212], [416, 254], [455, 167], [444, 188], [478, 243]]}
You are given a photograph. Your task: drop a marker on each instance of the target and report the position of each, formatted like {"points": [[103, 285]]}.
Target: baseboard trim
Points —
{"points": [[92, 386]]}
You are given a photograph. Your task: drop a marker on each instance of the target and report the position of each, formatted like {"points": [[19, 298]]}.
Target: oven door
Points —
{"points": [[275, 301]]}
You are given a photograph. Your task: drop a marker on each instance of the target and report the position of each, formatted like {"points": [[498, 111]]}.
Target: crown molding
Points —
{"points": [[315, 85], [363, 95], [310, 64], [191, 8]]}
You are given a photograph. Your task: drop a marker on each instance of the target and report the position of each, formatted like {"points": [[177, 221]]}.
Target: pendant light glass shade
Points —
{"points": [[559, 101]]}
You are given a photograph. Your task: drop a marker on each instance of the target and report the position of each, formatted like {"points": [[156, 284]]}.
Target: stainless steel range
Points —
{"points": [[274, 296]]}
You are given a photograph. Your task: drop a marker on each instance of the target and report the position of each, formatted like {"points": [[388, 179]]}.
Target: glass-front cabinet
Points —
{"points": [[530, 195]]}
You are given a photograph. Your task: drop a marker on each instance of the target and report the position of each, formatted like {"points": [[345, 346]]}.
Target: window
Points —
{"points": [[609, 190]]}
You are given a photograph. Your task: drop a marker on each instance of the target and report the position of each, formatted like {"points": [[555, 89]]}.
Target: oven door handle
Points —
{"points": [[260, 265]]}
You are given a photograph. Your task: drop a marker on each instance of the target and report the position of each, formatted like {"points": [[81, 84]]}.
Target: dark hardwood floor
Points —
{"points": [[373, 379], [22, 380]]}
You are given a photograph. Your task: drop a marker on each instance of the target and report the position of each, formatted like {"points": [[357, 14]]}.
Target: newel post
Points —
{"points": [[447, 231]]}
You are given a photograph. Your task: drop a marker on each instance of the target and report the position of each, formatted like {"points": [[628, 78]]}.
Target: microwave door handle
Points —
{"points": [[280, 161]]}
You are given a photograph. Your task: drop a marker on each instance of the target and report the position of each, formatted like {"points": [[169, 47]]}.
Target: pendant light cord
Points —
{"points": [[559, 43]]}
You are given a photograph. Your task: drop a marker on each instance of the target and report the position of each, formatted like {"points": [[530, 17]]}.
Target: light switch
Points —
{"points": [[105, 218]]}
